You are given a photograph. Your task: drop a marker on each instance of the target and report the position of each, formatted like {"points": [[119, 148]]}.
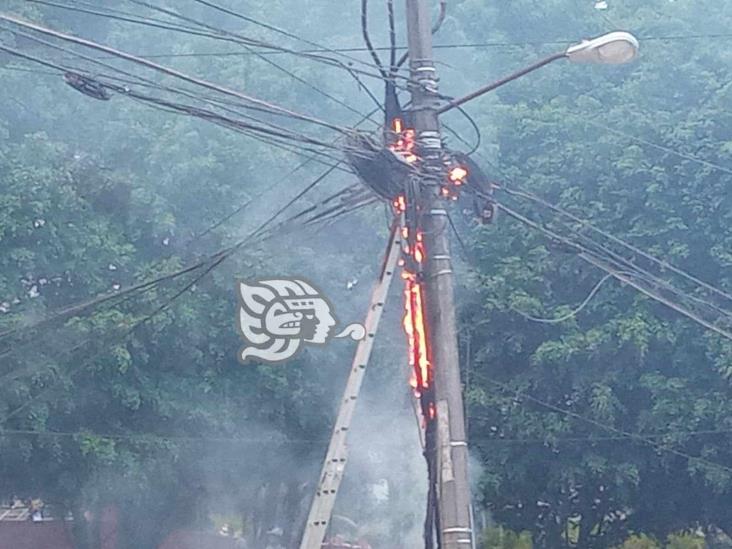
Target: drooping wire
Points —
{"points": [[270, 107], [617, 272], [367, 39], [478, 136], [226, 35], [268, 132], [116, 295], [392, 36], [516, 190], [466, 254], [217, 35], [135, 79], [573, 313], [81, 363], [638, 437], [259, 55], [634, 249], [278, 30], [148, 285], [258, 235]]}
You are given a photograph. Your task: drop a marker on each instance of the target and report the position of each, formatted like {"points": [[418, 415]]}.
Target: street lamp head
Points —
{"points": [[615, 48]]}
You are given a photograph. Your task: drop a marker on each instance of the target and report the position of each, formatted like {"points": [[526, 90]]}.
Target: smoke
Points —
{"points": [[385, 487]]}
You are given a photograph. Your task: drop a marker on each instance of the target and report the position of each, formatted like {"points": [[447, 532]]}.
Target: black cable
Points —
{"points": [[139, 80], [256, 53], [367, 39], [146, 286], [609, 267], [229, 37], [638, 437], [272, 108], [474, 124], [247, 129], [253, 131], [147, 21], [216, 260], [270, 51], [463, 247], [278, 30], [392, 37], [353, 72], [158, 438], [81, 363], [632, 266], [517, 191], [103, 299]]}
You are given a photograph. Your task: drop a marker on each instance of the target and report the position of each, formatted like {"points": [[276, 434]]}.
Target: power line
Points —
{"points": [[572, 313], [621, 275], [552, 440], [138, 80], [272, 63], [663, 148], [516, 190], [585, 223], [626, 434], [70, 311], [467, 45], [265, 134], [626, 264], [229, 36], [263, 131], [159, 438], [137, 324], [272, 108], [278, 30], [367, 38], [206, 264], [639, 437]]}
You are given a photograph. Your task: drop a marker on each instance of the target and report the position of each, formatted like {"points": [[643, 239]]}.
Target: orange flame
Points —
{"points": [[400, 204], [405, 142], [458, 174], [414, 320]]}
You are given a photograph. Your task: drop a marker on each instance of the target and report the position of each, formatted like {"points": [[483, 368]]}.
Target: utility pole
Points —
{"points": [[453, 490]]}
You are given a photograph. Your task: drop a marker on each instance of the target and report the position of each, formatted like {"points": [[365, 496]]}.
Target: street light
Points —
{"points": [[614, 48]]}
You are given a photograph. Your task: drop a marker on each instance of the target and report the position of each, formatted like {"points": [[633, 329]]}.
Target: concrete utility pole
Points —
{"points": [[452, 461]]}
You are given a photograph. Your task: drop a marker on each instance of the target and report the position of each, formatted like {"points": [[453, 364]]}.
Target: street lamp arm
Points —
{"points": [[613, 48], [498, 83]]}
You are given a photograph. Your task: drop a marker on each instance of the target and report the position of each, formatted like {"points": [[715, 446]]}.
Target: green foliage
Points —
{"points": [[674, 541], [500, 538], [685, 541], [639, 542]]}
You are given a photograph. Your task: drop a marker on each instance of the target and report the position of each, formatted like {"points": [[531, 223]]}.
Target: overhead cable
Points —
{"points": [[274, 109], [618, 274]]}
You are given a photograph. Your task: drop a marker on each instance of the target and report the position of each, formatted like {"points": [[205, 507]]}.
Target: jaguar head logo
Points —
{"points": [[278, 316]]}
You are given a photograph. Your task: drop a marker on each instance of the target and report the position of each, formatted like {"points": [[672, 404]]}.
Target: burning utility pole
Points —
{"points": [[426, 190]]}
